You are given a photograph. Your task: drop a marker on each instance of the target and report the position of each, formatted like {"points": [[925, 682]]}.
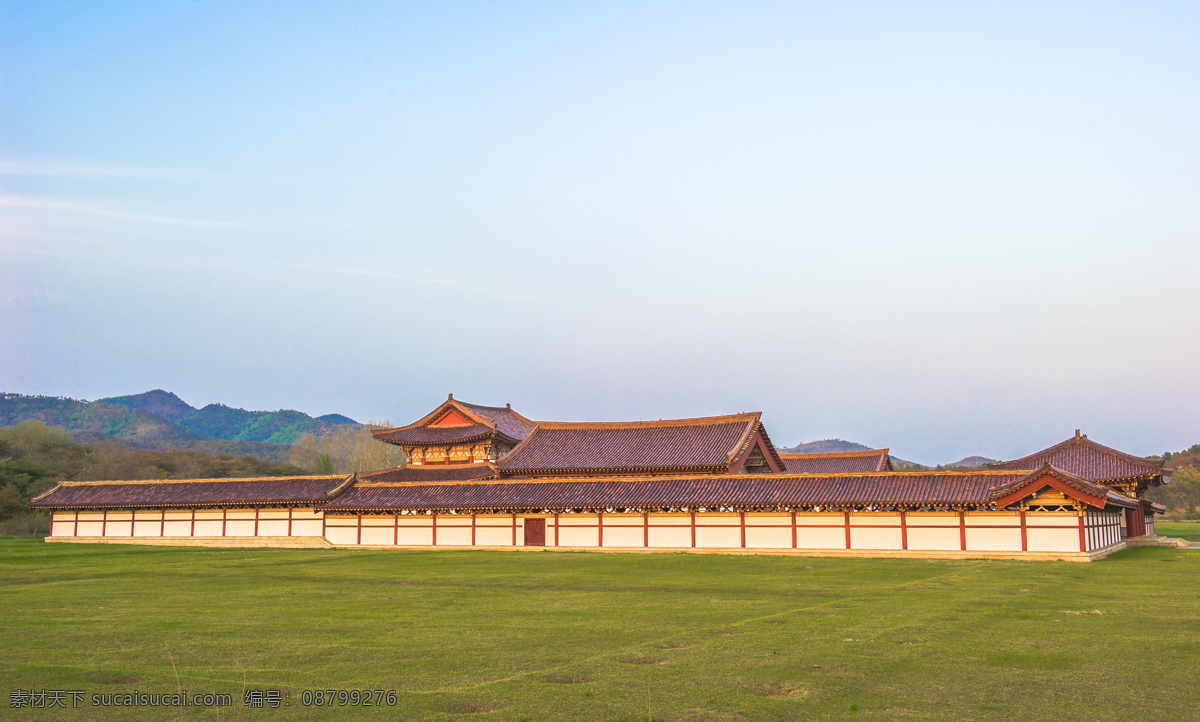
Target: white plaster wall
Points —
{"points": [[1036, 518], [239, 527], [818, 538], [575, 536], [868, 538], [62, 524], [306, 526], [760, 537], [178, 528], [667, 537], [407, 536], [341, 534], [624, 531], [497, 531], [457, 535], [272, 527], [933, 518], [377, 535], [945, 538], [993, 540], [717, 537], [1053, 540]]}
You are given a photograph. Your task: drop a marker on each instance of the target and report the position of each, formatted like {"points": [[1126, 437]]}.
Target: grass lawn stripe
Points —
{"points": [[567, 636]]}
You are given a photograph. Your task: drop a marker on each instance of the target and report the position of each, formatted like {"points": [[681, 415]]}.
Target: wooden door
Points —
{"points": [[535, 532]]}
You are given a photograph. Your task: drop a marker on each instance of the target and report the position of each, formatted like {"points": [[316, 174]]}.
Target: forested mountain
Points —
{"points": [[160, 419]]}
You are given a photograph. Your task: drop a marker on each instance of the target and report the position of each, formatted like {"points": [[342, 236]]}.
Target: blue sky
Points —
{"points": [[939, 227]]}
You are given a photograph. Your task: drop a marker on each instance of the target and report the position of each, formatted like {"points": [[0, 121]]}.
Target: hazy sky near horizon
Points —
{"points": [[946, 228]]}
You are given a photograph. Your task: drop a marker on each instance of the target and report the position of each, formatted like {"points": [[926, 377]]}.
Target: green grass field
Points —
{"points": [[496, 635], [1189, 530]]}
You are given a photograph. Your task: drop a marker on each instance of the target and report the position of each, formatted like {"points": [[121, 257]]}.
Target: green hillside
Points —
{"points": [[160, 419]]}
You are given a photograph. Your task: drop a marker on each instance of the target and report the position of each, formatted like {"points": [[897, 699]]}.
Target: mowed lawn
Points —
{"points": [[1189, 530], [503, 635]]}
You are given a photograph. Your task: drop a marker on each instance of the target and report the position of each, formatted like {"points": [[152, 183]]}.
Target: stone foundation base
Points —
{"points": [[266, 542], [278, 542]]}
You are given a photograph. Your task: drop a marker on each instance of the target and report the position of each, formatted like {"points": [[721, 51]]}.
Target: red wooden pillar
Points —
{"points": [[290, 510], [793, 530], [1082, 534], [192, 531], [472, 529], [846, 516], [256, 510], [435, 529], [556, 529], [1024, 533], [962, 530], [359, 540], [742, 518], [224, 520], [903, 529], [162, 523], [646, 529], [396, 531], [600, 526], [693, 530], [514, 524], [75, 529], [132, 520]]}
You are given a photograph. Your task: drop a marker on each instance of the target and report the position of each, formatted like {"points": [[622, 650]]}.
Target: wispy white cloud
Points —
{"points": [[58, 205], [59, 168], [413, 275]]}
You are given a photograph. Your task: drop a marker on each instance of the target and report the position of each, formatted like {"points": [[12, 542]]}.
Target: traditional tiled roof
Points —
{"points": [[434, 435], [193, 493], [1086, 459], [835, 462], [925, 490], [700, 445], [506, 421], [1091, 492], [431, 472], [485, 421]]}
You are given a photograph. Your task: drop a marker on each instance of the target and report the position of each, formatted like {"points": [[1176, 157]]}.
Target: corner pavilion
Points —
{"points": [[487, 477]]}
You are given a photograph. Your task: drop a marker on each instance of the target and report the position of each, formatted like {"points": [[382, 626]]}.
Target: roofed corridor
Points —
{"points": [[487, 477]]}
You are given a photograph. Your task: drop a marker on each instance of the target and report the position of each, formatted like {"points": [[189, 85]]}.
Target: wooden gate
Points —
{"points": [[535, 532]]}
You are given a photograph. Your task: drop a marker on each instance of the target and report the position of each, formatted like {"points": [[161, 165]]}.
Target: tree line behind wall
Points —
{"points": [[34, 457]]}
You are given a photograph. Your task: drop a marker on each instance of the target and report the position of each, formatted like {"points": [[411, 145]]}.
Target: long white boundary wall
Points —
{"points": [[940, 533]]}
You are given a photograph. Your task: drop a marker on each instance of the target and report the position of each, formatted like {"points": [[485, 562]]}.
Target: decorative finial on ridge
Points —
{"points": [[508, 405], [1077, 434], [451, 398]]}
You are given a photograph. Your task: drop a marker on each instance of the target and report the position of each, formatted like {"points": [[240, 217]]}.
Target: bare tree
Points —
{"points": [[347, 449]]}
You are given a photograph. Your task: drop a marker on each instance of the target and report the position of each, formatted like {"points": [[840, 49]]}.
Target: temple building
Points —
{"points": [[487, 477]]}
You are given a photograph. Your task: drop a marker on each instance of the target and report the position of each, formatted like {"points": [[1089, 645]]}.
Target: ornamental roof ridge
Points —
{"points": [[693, 421], [243, 479], [636, 478], [1081, 440], [1095, 489]]}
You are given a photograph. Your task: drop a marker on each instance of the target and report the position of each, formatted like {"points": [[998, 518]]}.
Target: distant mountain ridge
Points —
{"points": [[832, 446], [824, 446], [828, 446], [971, 462], [160, 419]]}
